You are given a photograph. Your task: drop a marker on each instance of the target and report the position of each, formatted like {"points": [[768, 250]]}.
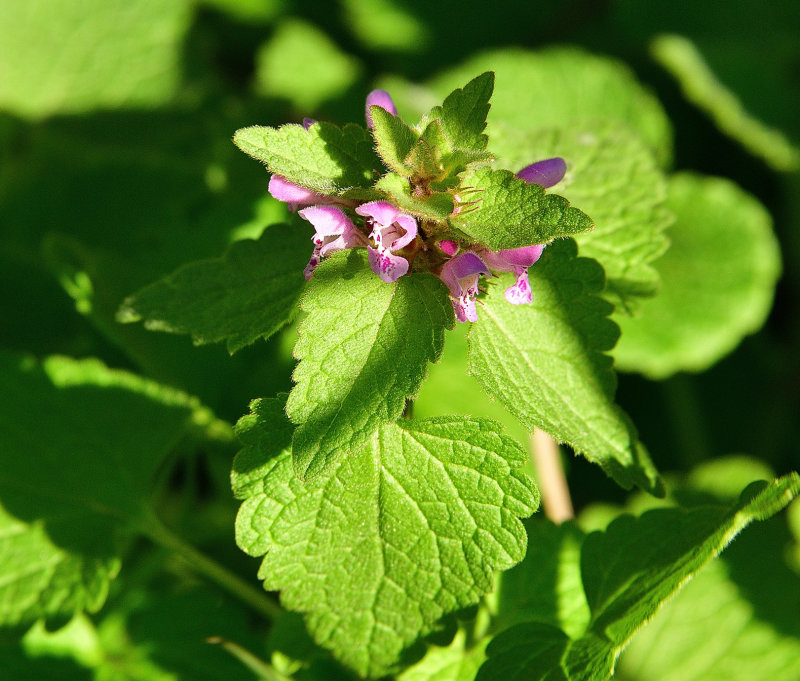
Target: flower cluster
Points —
{"points": [[393, 238]]}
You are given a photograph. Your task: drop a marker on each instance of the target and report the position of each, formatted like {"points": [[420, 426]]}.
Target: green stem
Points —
{"points": [[220, 575]]}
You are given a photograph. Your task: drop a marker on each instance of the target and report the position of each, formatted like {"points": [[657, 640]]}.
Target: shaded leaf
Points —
{"points": [[249, 293]]}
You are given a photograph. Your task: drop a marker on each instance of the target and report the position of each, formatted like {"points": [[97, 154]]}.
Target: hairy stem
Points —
{"points": [[250, 595], [553, 482]]}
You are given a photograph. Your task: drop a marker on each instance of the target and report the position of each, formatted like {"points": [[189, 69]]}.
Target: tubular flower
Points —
{"points": [[391, 231], [545, 173], [382, 99], [461, 275], [334, 231], [294, 195], [516, 260]]}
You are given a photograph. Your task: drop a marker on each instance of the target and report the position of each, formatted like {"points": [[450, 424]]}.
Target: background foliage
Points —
{"points": [[118, 168]]}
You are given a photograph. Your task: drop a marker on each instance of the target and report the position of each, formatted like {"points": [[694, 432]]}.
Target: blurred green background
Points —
{"points": [[116, 119]]}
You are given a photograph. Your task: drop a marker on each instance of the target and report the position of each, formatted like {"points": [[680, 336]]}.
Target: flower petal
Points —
{"points": [[283, 190], [327, 220], [382, 99], [522, 257], [383, 212], [448, 246], [520, 293], [546, 173], [387, 266], [461, 267]]}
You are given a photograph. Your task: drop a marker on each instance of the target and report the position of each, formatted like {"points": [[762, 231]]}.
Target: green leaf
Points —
{"points": [[546, 587], [735, 621], [249, 293], [463, 113], [612, 176], [97, 54], [684, 61], [325, 158], [398, 533], [79, 445], [546, 363], [563, 88], [302, 64], [363, 349], [394, 140], [437, 206], [718, 279], [628, 571], [509, 213], [459, 661]]}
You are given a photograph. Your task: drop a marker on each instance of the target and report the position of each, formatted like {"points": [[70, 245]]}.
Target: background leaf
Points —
{"points": [[392, 537], [68, 429], [303, 65], [35, 84], [718, 279]]}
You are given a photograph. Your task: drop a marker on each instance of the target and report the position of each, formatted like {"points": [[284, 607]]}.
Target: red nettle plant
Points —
{"points": [[403, 541]]}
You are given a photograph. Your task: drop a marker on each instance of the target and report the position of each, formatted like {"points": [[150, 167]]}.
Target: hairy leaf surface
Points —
{"points": [[249, 293], [393, 536], [363, 348], [502, 211], [546, 363], [325, 158]]}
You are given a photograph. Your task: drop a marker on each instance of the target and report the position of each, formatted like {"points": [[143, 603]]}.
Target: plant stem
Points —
{"points": [[253, 597], [555, 493]]}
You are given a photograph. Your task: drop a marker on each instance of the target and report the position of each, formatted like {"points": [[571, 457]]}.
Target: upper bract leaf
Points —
{"points": [[324, 157], [403, 530], [463, 113], [502, 211], [394, 139], [79, 445], [249, 293], [545, 362], [363, 349]]}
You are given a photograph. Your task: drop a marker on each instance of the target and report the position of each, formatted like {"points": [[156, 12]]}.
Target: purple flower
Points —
{"points": [[546, 173], [295, 195], [461, 275], [391, 231], [516, 260], [334, 231], [382, 99]]}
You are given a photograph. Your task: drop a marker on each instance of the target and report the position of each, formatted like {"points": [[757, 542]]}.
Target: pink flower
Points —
{"points": [[334, 231], [516, 260], [546, 173], [391, 231], [461, 275], [294, 195], [382, 99]]}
